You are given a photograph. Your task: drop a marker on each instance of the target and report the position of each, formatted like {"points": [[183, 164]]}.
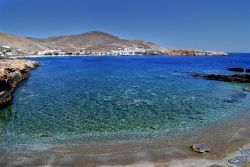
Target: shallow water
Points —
{"points": [[92, 98]]}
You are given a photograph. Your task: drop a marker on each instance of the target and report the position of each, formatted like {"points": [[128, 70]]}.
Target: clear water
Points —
{"points": [[83, 97]]}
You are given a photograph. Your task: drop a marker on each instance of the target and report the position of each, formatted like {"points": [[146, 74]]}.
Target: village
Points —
{"points": [[8, 52]]}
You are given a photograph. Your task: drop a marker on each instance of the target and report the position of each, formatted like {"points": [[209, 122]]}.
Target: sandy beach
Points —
{"points": [[224, 140]]}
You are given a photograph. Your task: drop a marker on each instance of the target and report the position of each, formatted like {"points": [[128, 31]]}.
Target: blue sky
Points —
{"points": [[198, 24]]}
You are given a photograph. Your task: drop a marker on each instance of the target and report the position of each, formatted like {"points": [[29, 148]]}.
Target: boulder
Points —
{"points": [[155, 127], [4, 85], [31, 64], [238, 160], [245, 151], [236, 69], [200, 148]]}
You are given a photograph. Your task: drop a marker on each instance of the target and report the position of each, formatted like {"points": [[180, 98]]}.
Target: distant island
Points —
{"points": [[89, 44]]}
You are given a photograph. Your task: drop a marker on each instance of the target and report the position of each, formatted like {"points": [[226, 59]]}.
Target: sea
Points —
{"points": [[95, 99]]}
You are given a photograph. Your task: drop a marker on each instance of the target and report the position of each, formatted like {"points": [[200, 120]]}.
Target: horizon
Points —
{"points": [[225, 28]]}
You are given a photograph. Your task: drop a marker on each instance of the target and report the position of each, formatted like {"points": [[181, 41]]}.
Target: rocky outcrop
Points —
{"points": [[240, 78], [12, 72], [236, 69], [193, 52], [239, 69]]}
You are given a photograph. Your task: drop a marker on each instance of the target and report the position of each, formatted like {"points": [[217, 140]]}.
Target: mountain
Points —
{"points": [[94, 40]]}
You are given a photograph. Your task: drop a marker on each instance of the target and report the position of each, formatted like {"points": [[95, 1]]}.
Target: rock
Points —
{"points": [[239, 78], [5, 99], [237, 69], [155, 127], [191, 52], [12, 72], [215, 165], [31, 64], [247, 70], [245, 151], [200, 148], [236, 97], [3, 85], [238, 160], [247, 88]]}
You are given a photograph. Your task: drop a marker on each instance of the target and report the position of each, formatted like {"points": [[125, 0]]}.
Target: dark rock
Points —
{"points": [[245, 151], [200, 148], [236, 97], [4, 85], [239, 160], [239, 78], [247, 70], [155, 127], [237, 69], [5, 98]]}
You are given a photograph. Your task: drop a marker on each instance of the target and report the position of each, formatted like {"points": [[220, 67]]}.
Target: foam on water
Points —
{"points": [[78, 98]]}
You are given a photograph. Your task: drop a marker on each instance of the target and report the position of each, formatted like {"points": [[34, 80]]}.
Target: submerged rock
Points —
{"points": [[200, 148], [155, 127], [236, 97], [236, 69], [238, 160]]}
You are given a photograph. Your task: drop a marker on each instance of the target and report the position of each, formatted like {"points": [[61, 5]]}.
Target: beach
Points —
{"points": [[224, 141]]}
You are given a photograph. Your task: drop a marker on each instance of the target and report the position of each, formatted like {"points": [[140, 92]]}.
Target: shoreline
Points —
{"points": [[41, 56], [223, 139]]}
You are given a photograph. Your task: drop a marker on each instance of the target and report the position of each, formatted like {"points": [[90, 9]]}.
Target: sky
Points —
{"points": [[222, 25]]}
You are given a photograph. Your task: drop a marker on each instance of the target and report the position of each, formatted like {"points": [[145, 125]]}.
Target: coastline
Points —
{"points": [[41, 56]]}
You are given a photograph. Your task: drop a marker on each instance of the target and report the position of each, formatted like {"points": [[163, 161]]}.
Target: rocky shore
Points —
{"points": [[239, 78], [12, 72]]}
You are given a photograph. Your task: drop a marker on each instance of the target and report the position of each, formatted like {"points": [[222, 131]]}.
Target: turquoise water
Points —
{"points": [[85, 97]]}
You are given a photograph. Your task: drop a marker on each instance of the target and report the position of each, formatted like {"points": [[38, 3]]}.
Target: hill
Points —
{"points": [[19, 42], [94, 40], [89, 43]]}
